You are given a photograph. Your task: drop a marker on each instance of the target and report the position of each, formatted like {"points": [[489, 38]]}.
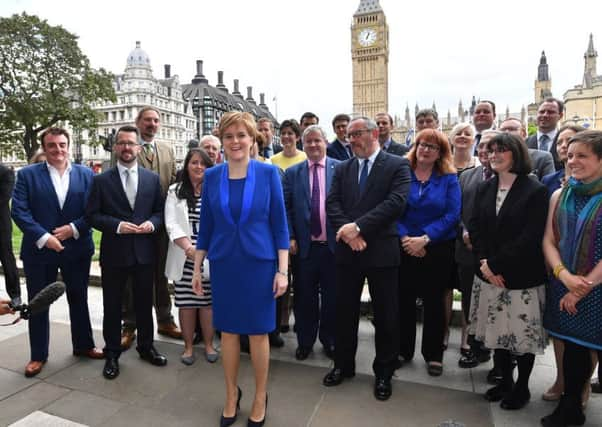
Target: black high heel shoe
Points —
{"points": [[251, 423], [228, 421]]}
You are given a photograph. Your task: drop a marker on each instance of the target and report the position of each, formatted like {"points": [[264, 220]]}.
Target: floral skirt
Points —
{"points": [[509, 319]]}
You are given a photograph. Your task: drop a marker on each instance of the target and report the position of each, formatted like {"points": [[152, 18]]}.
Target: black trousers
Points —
{"points": [[382, 282], [7, 258], [427, 278], [114, 281]]}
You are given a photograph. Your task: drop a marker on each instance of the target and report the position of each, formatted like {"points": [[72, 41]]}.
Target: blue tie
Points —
{"points": [[363, 176], [316, 226], [544, 142]]}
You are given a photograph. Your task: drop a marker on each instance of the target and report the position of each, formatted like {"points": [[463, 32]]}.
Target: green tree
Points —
{"points": [[45, 80]]}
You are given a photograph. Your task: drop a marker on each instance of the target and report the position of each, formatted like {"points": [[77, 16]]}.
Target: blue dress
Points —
{"points": [[243, 225], [585, 327]]}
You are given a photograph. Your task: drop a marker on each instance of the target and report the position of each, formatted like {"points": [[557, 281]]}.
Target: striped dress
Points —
{"points": [[185, 297]]}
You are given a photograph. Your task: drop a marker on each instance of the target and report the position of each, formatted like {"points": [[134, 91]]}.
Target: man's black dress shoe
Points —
{"points": [[382, 388], [468, 359], [302, 353], [335, 377], [276, 340], [111, 369], [152, 356]]}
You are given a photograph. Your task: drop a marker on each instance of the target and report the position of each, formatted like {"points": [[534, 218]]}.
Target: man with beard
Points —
{"points": [[126, 205], [158, 157]]}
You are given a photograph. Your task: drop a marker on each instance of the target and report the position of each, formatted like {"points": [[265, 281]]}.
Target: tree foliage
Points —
{"points": [[45, 80]]}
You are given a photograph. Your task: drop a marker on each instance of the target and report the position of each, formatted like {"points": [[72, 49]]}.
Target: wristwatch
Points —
{"points": [[284, 273], [426, 239], [357, 228]]}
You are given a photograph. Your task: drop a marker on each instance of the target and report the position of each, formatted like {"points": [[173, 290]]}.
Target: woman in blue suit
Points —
{"points": [[244, 232], [427, 230]]}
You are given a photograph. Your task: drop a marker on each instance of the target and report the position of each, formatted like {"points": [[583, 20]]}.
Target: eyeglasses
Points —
{"points": [[428, 147], [498, 150], [127, 144], [357, 133]]}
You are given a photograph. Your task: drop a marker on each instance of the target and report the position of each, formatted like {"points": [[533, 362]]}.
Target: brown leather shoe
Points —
{"points": [[33, 368], [170, 330], [127, 338], [92, 353]]}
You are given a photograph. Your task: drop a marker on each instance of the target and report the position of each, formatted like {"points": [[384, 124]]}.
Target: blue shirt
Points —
{"points": [[433, 208]]}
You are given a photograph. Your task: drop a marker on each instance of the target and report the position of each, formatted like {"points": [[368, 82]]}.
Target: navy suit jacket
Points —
{"points": [[261, 229], [336, 150], [108, 206], [36, 211], [375, 211], [297, 200]]}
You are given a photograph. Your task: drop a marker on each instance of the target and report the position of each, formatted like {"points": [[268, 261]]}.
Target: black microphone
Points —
{"points": [[41, 301]]}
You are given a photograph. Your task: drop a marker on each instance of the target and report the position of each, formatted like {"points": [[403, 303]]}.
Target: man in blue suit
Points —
{"points": [[313, 241], [48, 206], [340, 148], [126, 205]]}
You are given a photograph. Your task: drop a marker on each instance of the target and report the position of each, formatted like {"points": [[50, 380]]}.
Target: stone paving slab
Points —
{"points": [[145, 395]]}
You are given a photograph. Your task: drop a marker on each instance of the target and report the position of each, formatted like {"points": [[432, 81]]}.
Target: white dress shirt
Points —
{"points": [[371, 160], [61, 188]]}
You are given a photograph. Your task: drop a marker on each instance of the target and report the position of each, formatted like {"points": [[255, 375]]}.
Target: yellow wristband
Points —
{"points": [[558, 269]]}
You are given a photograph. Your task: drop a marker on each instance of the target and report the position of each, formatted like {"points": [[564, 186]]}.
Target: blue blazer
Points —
{"points": [[262, 229], [36, 211], [552, 181], [336, 150], [297, 200], [433, 208], [108, 206]]}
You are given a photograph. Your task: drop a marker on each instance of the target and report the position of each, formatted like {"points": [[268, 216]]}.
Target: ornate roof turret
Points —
{"points": [[368, 6], [542, 69], [138, 57]]}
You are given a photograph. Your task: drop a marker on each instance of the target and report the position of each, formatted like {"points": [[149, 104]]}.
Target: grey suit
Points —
{"points": [[542, 163], [532, 143]]}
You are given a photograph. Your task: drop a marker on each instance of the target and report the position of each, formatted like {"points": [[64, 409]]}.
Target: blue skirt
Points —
{"points": [[243, 300]]}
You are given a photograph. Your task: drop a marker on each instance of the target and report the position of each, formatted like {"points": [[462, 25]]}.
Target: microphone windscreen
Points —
{"points": [[45, 297]]}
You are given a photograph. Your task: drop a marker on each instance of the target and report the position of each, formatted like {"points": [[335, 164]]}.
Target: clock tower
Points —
{"points": [[370, 59]]}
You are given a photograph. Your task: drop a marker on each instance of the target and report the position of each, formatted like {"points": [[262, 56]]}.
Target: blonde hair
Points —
{"points": [[238, 118]]}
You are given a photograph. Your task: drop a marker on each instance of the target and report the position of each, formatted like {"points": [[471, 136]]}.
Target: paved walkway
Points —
{"points": [[72, 392]]}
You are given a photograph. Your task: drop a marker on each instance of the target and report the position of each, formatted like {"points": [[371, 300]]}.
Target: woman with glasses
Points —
{"points": [[427, 232], [572, 246], [506, 231], [182, 210]]}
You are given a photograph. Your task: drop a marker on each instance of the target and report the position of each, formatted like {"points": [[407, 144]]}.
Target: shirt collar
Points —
{"points": [[121, 168], [551, 134], [371, 158], [52, 168], [321, 162], [387, 144]]}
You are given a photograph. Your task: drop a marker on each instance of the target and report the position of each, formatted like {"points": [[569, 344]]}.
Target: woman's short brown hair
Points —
{"points": [[445, 163]]}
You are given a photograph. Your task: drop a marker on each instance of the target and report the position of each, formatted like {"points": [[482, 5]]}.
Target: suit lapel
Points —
{"points": [[73, 185], [378, 164], [119, 186], [513, 194], [304, 177], [45, 174]]}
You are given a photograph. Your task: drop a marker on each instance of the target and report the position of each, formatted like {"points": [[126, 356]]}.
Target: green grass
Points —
{"points": [[18, 237]]}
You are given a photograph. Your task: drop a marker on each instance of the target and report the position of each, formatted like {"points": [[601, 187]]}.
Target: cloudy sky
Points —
{"points": [[299, 51]]}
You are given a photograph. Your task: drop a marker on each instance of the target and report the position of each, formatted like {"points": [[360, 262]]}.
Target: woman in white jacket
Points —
{"points": [[182, 212]]}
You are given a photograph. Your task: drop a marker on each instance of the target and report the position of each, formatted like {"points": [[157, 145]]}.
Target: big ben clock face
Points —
{"points": [[367, 37]]}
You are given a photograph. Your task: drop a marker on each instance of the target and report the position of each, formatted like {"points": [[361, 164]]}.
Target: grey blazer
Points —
{"points": [[469, 181], [542, 163]]}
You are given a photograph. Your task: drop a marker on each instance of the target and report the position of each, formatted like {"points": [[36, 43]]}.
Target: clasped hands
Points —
{"points": [[579, 287], [348, 233], [59, 234], [126, 227], [495, 279], [414, 246]]}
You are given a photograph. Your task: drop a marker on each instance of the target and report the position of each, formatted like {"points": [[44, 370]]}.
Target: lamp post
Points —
{"points": [[196, 108]]}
